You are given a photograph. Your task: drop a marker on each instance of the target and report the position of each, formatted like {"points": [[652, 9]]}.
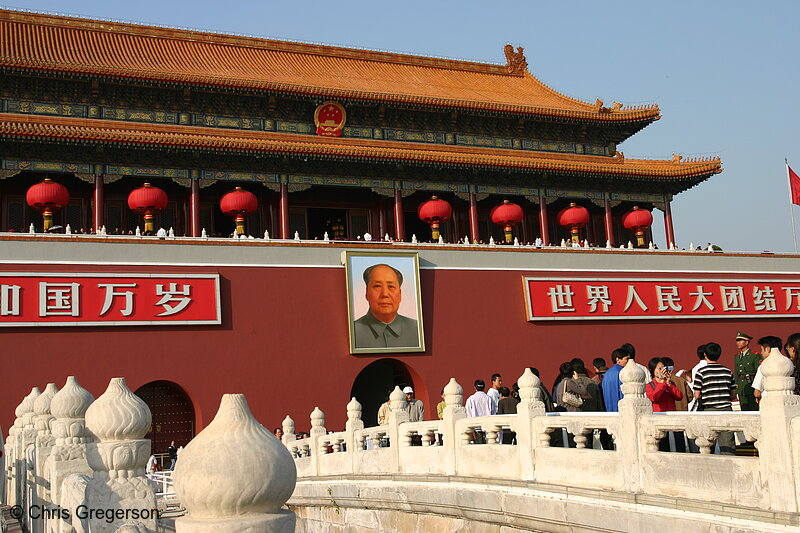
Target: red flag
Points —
{"points": [[794, 185]]}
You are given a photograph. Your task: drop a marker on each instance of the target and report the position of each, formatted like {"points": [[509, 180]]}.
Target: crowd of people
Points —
{"points": [[709, 386]]}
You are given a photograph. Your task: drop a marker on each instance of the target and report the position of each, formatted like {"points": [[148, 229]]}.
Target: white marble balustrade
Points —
{"points": [[447, 447]]}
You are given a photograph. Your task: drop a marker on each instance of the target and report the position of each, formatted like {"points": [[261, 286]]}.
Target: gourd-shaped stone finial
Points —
{"points": [[72, 401], [118, 414], [777, 370], [453, 393], [397, 400], [20, 410], [317, 418], [69, 407], [41, 407], [633, 379], [27, 403], [234, 467], [354, 410], [288, 425], [27, 407], [529, 389]]}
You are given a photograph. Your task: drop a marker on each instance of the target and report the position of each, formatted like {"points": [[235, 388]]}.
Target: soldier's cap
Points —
{"points": [[743, 336]]}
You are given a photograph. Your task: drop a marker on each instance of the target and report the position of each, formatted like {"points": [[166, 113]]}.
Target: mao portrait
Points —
{"points": [[385, 312]]}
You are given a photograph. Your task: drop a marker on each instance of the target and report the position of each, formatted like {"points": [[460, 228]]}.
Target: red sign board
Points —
{"points": [[652, 298], [47, 299]]}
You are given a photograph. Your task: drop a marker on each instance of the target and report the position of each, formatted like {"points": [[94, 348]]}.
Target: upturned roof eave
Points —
{"points": [[94, 131], [638, 116]]}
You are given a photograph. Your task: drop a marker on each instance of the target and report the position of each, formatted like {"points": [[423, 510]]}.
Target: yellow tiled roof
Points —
{"points": [[73, 45]]}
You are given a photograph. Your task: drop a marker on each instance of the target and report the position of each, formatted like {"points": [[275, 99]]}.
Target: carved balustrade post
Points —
{"points": [[316, 434], [288, 431], [531, 405], [353, 424], [779, 442], [68, 456], [398, 414], [235, 476], [26, 439], [117, 421], [630, 440], [15, 468], [43, 445], [453, 412]]}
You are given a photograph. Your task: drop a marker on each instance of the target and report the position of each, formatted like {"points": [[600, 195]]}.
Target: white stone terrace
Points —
{"points": [[348, 482]]}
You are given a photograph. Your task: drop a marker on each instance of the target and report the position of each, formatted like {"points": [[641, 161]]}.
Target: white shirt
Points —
{"points": [[698, 366], [758, 381], [151, 464], [494, 394], [480, 404]]}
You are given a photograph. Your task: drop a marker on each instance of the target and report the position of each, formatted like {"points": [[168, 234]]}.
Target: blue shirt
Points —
{"points": [[612, 388]]}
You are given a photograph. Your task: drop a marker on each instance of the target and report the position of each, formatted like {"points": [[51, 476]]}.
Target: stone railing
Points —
{"points": [[633, 464], [77, 465]]}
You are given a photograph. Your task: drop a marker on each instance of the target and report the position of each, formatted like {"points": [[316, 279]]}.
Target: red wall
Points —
{"points": [[284, 343]]}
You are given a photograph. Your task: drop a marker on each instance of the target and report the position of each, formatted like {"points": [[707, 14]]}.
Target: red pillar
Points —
{"points": [[668, 224], [382, 219], [284, 211], [194, 209], [590, 236], [608, 222], [474, 234], [399, 217], [99, 203], [543, 222]]}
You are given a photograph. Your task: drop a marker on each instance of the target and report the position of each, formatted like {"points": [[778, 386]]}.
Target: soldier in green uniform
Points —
{"points": [[744, 367]]}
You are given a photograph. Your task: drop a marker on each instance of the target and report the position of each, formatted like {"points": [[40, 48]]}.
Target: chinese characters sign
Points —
{"points": [[108, 299], [619, 298]]}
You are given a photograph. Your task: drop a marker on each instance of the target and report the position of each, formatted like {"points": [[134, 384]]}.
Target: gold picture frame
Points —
{"points": [[388, 318]]}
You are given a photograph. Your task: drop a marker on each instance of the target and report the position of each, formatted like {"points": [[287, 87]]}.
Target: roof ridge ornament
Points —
{"points": [[516, 62]]}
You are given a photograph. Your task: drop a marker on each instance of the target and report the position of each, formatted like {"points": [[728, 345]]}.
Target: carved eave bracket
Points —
{"points": [[598, 202], [8, 173], [382, 191]]}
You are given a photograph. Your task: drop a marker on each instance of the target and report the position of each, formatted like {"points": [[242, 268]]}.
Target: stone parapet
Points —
{"points": [[634, 468]]}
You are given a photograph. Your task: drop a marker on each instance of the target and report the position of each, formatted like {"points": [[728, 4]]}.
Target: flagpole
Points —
{"points": [[791, 213]]}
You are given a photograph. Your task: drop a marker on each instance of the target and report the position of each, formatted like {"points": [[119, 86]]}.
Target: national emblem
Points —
{"points": [[330, 118]]}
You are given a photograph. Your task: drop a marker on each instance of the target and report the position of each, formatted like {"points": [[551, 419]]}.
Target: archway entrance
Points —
{"points": [[173, 414], [374, 383]]}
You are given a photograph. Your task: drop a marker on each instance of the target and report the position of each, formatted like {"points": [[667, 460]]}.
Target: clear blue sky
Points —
{"points": [[725, 74]]}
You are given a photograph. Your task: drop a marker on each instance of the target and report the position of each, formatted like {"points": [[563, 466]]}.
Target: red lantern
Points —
{"points": [[434, 212], [638, 220], [147, 200], [574, 217], [508, 215], [47, 197], [239, 203]]}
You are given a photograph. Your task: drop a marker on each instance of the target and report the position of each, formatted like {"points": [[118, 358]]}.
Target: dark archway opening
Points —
{"points": [[374, 383], [173, 414]]}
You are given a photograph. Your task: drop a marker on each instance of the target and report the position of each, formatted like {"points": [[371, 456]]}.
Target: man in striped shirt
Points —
{"points": [[715, 389]]}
